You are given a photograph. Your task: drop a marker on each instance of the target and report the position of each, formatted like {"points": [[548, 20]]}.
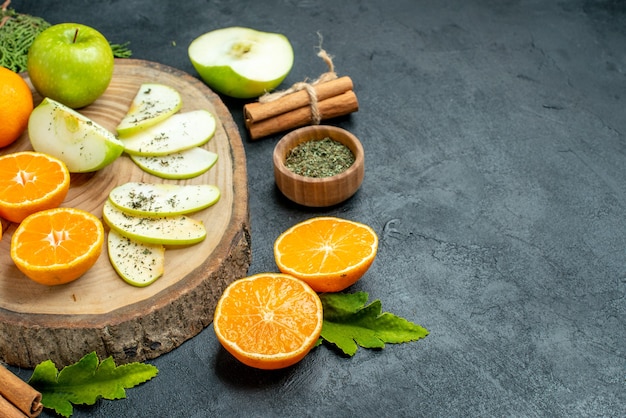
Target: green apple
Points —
{"points": [[179, 165], [137, 263], [70, 63], [152, 104], [82, 144], [164, 230], [176, 133], [241, 62], [151, 199]]}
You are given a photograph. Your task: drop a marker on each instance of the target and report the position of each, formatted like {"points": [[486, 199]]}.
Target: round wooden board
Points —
{"points": [[99, 311]]}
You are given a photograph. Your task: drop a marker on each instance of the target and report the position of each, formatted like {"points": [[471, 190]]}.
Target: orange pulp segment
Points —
{"points": [[57, 246], [31, 182], [268, 320], [328, 253]]}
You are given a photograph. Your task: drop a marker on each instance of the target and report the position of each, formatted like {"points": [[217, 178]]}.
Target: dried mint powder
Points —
{"points": [[319, 158]]}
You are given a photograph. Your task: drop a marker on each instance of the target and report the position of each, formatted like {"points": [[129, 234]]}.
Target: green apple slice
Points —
{"points": [[164, 230], [177, 133], [82, 144], [149, 199], [137, 263], [179, 165], [153, 104], [241, 62]]}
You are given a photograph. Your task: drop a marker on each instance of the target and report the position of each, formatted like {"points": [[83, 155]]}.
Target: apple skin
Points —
{"points": [[62, 132], [211, 54], [181, 165], [164, 230], [70, 63], [225, 80]]}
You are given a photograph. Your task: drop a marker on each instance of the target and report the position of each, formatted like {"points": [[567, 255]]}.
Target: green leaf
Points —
{"points": [[86, 381], [348, 323]]}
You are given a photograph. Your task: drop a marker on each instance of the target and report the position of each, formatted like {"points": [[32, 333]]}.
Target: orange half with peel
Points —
{"points": [[31, 182], [268, 320], [328, 253], [57, 246]]}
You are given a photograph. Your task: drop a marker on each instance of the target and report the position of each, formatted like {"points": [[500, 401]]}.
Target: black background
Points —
{"points": [[495, 178]]}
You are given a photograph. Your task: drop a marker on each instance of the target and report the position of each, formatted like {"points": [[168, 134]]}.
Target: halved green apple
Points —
{"points": [[176, 133], [152, 104], [179, 165], [241, 62], [164, 230], [137, 263], [82, 144], [153, 199]]}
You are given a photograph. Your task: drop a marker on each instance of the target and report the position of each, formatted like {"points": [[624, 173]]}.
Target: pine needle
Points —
{"points": [[17, 33]]}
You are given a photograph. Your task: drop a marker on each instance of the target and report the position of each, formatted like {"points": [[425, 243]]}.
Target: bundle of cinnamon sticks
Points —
{"points": [[331, 99], [17, 398]]}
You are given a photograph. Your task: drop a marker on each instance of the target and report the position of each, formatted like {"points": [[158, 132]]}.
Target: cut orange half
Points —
{"points": [[57, 246], [30, 182], [330, 254], [269, 320]]}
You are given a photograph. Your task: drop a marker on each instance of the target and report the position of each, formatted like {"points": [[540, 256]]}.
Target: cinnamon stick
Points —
{"points": [[258, 111], [17, 397], [8, 410], [331, 107]]}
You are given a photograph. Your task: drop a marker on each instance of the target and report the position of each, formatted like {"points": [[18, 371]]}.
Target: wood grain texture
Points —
{"points": [[100, 312]]}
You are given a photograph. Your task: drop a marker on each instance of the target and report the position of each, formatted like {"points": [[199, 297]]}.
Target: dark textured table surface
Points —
{"points": [[494, 134]]}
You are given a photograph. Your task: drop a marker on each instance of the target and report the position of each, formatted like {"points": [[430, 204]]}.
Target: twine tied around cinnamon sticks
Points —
{"points": [[17, 398], [304, 103], [308, 87]]}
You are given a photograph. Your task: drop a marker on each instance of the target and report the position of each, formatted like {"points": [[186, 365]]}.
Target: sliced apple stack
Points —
{"points": [[144, 218], [162, 141]]}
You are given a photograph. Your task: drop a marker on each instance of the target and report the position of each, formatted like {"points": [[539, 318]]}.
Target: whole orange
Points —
{"points": [[16, 104]]}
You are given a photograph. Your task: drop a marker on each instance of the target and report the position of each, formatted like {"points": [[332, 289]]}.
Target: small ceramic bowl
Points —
{"points": [[318, 191]]}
